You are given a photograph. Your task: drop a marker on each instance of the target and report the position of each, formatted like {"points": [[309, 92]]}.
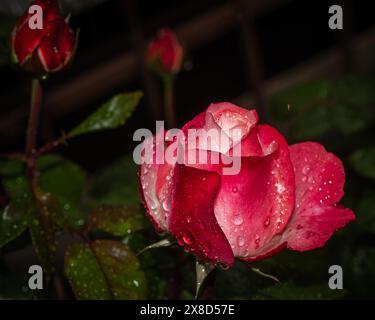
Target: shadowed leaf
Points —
{"points": [[363, 162], [119, 221], [103, 270]]}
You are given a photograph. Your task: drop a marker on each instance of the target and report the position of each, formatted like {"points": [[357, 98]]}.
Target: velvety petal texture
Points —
{"points": [[43, 50], [281, 197]]}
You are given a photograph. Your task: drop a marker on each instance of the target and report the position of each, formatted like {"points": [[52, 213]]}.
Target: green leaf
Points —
{"points": [[60, 178], [13, 222], [202, 272], [104, 270], [13, 219], [111, 115], [64, 180], [119, 221], [289, 291], [363, 161], [43, 235], [117, 184]]}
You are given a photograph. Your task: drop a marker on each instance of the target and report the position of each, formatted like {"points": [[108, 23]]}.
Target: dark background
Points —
{"points": [[231, 53]]}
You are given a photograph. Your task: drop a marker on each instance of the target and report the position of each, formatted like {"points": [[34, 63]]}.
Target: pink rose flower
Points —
{"points": [[282, 197]]}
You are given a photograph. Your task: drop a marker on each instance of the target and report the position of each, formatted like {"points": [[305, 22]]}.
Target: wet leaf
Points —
{"points": [[117, 184], [363, 161], [59, 177], [43, 235], [118, 221], [289, 291], [202, 272], [104, 269], [111, 115], [64, 180], [160, 244], [50, 209], [13, 222]]}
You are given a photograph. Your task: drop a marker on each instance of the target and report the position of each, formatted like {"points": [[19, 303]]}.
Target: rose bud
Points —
{"points": [[44, 50], [165, 53], [281, 197]]}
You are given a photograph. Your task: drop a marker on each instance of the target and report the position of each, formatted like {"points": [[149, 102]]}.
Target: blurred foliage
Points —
{"points": [[6, 26], [312, 109], [363, 162]]}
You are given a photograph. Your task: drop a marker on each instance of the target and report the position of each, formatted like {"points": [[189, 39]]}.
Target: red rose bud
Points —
{"points": [[165, 53], [46, 49], [281, 197]]}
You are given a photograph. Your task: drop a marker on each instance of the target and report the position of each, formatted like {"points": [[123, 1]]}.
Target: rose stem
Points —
{"points": [[32, 129], [170, 114], [30, 154]]}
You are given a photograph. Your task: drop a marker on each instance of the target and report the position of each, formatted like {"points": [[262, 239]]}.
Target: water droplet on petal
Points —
{"points": [[306, 170], [240, 241], [234, 189], [187, 238], [267, 222], [237, 220], [166, 205]]}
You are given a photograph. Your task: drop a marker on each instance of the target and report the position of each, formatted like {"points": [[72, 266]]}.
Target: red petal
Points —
{"points": [[193, 220], [254, 206], [320, 180], [57, 46], [25, 40], [156, 182], [224, 118]]}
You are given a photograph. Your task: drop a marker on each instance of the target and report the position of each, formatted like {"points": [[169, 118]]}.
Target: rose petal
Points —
{"points": [[193, 220], [57, 46], [215, 128], [320, 180], [254, 206], [156, 184], [25, 40]]}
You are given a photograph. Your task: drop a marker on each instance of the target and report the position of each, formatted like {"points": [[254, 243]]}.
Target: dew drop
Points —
{"points": [[166, 205], [310, 234], [306, 170], [267, 222], [187, 238], [234, 189], [257, 241], [240, 241], [237, 220]]}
